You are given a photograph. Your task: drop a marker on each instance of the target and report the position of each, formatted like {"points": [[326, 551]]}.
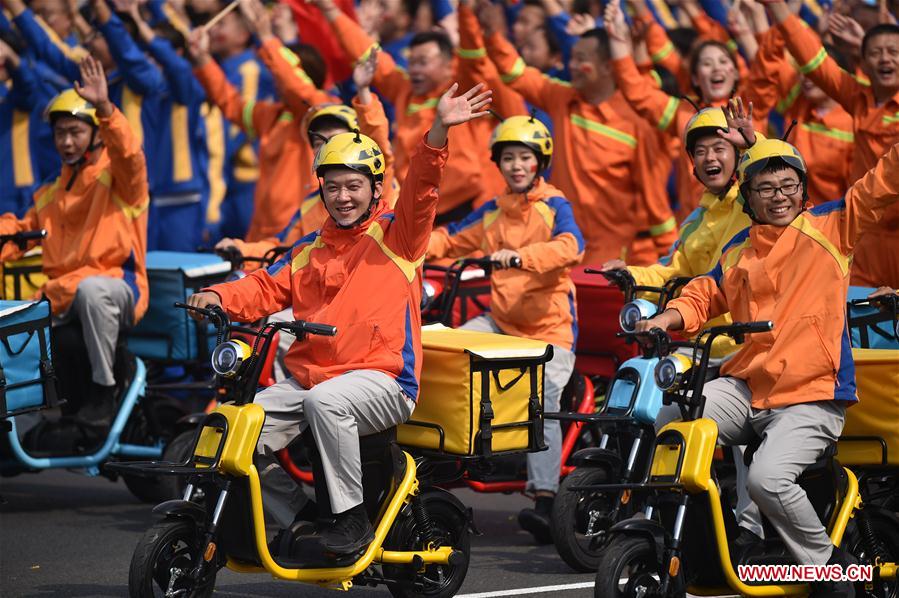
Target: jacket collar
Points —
{"points": [[334, 235]]}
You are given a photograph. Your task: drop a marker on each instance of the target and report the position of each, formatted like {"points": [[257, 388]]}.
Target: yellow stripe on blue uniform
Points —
{"points": [[23, 174], [301, 259], [182, 164]]}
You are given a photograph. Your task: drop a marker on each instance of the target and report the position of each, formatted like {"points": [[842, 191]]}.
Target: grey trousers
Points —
{"points": [[339, 411], [793, 438], [104, 306], [544, 467]]}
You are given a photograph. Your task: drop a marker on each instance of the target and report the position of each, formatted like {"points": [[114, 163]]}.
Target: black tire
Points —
{"points": [[578, 540], [627, 566], [885, 526], [157, 489], [170, 544], [450, 528]]}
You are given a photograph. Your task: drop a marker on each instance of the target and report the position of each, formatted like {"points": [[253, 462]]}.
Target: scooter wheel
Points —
{"points": [[580, 520], [449, 528], [168, 550], [628, 568]]}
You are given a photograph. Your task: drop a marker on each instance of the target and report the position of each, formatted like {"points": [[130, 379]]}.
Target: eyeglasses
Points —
{"points": [[786, 190]]}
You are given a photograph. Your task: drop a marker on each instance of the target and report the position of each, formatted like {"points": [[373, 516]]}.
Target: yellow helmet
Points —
{"points": [[760, 155], [705, 122], [339, 112], [524, 130], [69, 103], [351, 150]]}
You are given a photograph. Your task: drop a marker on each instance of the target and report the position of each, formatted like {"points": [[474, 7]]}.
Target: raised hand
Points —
{"points": [[8, 55], [198, 46], [327, 7], [579, 24], [740, 131], [491, 17], [452, 111], [93, 85], [364, 71], [455, 110], [255, 14], [614, 22], [846, 29]]}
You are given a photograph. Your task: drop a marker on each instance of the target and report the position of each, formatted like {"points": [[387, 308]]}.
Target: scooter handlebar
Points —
{"points": [[313, 328], [21, 238]]}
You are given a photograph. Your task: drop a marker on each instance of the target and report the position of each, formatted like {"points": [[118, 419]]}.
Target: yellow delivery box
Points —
{"points": [[871, 433], [481, 394]]}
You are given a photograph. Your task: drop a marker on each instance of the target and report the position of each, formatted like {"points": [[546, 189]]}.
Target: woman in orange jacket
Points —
{"points": [[790, 386], [533, 223], [95, 215], [361, 273]]}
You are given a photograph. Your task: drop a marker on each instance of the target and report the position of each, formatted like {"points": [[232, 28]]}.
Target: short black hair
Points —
{"points": [[602, 42], [839, 57], [438, 37], [14, 40], [326, 122], [876, 31], [312, 62]]}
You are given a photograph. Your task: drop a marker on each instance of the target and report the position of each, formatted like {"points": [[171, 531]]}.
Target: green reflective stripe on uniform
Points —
{"points": [[471, 53], [248, 118], [288, 55], [558, 81], [668, 115], [367, 53], [602, 129], [664, 227], [815, 62], [516, 71], [837, 134], [731, 45], [655, 77], [788, 101], [889, 120], [663, 52], [413, 108], [285, 117]]}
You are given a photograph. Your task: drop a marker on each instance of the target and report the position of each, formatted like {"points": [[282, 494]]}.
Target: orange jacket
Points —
{"points": [[796, 276], [312, 214], [285, 159], [536, 301], [606, 159], [99, 226], [465, 179], [824, 140], [875, 128], [366, 281]]}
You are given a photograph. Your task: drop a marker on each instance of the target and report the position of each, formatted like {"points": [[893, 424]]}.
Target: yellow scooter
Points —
{"points": [[422, 534], [684, 539]]}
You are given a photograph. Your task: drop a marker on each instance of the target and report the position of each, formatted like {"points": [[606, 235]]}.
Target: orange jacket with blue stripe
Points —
{"points": [[366, 281], [875, 129], [796, 276], [607, 161], [536, 301], [98, 227], [824, 140], [283, 148]]}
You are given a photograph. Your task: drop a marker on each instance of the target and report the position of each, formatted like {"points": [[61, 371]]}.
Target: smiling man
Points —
{"points": [[790, 386]]}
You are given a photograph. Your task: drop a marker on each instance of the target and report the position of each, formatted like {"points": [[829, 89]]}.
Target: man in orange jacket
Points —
{"points": [[532, 223], [790, 386], [95, 215], [362, 273]]}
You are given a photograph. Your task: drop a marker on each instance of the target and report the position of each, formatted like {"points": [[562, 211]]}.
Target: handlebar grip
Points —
{"points": [[31, 235], [516, 262], [751, 327], [319, 329]]}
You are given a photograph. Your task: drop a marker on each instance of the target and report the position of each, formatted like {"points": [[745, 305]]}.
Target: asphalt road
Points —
{"points": [[62, 534]]}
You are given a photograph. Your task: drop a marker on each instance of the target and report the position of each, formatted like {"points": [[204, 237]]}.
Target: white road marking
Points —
{"points": [[537, 590]]}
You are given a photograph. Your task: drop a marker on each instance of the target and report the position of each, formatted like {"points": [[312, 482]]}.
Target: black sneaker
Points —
{"points": [[537, 520], [283, 542], [350, 533], [835, 589]]}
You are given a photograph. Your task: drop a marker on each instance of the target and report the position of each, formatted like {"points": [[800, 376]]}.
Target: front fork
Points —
{"points": [[669, 577], [207, 554]]}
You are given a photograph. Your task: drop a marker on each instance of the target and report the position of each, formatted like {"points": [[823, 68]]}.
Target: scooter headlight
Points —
{"points": [[633, 312], [671, 371], [227, 357]]}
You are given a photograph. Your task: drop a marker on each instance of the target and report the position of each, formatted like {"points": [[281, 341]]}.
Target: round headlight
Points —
{"points": [[670, 371], [633, 312], [227, 357]]}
